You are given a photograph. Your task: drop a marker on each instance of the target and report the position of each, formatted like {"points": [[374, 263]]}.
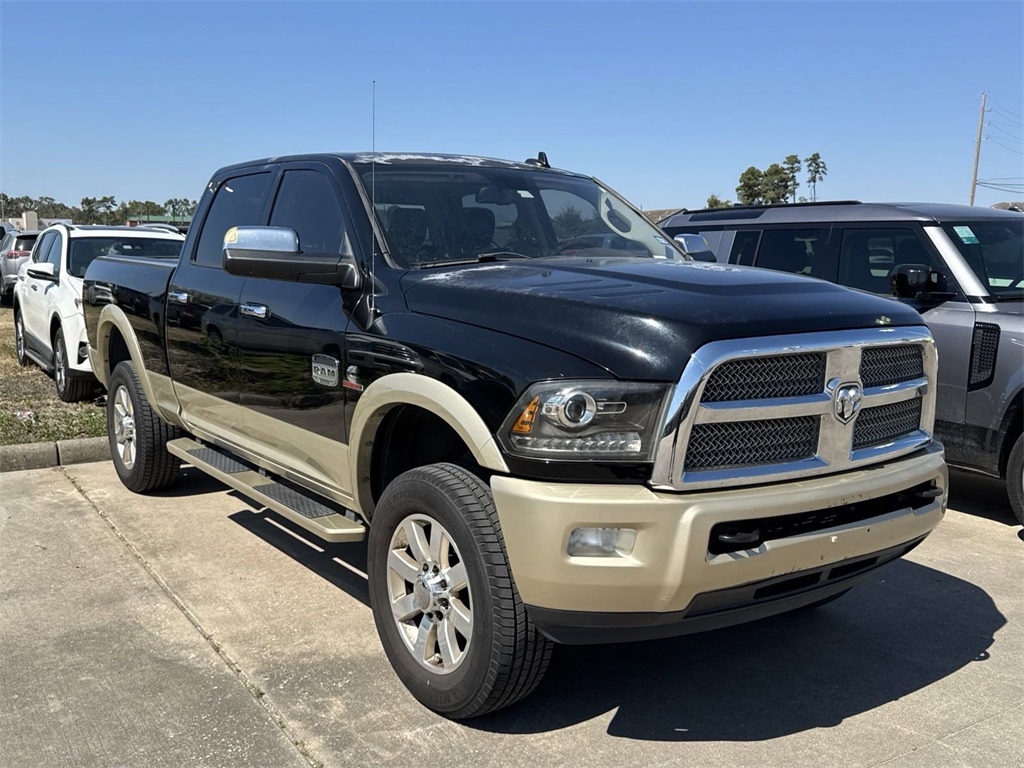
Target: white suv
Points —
{"points": [[48, 322]]}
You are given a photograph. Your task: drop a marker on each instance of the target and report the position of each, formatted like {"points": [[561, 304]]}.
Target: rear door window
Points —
{"points": [[800, 251], [868, 255], [238, 203]]}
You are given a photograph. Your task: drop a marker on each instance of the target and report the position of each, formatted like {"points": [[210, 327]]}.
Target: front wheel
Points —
{"points": [[138, 436], [1015, 478], [444, 601]]}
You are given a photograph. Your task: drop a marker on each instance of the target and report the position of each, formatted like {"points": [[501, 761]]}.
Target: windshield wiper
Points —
{"points": [[481, 258]]}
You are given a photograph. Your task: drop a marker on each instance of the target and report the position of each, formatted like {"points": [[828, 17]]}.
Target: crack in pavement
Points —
{"points": [[948, 735], [254, 690]]}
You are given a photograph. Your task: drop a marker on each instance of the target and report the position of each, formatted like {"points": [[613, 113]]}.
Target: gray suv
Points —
{"points": [[15, 248], [962, 267]]}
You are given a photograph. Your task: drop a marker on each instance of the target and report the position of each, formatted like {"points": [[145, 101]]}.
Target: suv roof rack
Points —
{"points": [[772, 205]]}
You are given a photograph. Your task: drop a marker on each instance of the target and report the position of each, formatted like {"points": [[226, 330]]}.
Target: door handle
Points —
{"points": [[259, 311], [178, 297]]}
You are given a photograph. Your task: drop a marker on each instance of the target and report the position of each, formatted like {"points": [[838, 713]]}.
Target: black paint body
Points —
{"points": [[487, 330]]}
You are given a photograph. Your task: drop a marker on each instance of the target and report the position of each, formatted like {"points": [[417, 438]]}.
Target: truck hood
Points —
{"points": [[640, 318]]}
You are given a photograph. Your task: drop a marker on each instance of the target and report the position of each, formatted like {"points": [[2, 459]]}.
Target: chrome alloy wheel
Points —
{"points": [[124, 427], [429, 591], [58, 363]]}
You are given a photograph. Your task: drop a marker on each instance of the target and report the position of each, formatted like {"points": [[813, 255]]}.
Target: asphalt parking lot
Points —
{"points": [[190, 629]]}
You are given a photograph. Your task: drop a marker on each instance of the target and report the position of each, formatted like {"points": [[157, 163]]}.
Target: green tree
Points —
{"points": [[774, 185], [749, 190], [107, 208], [714, 201], [816, 171], [792, 166]]}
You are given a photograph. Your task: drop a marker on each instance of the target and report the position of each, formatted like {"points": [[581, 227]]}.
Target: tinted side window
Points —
{"points": [[53, 256], [801, 251], [744, 247], [42, 248], [868, 255], [306, 203], [238, 203]]}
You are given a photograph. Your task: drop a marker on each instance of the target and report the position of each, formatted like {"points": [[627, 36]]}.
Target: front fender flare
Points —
{"points": [[429, 394]]}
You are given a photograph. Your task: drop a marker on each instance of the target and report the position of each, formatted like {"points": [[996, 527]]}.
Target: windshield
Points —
{"points": [[434, 215], [84, 250], [995, 251]]}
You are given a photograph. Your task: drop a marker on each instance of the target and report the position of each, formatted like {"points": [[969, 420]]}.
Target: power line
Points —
{"points": [[1007, 116], [1004, 146], [996, 104], [998, 127]]}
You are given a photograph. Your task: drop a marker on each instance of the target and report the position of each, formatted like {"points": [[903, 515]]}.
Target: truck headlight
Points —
{"points": [[585, 421]]}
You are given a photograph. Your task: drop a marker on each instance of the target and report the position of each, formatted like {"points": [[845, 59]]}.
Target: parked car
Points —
{"points": [[15, 248], [962, 267], [48, 324], [539, 446]]}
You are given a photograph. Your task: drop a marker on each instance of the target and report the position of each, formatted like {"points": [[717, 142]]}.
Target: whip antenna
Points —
{"points": [[373, 197]]}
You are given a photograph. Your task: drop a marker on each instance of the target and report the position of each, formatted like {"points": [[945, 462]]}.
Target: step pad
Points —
{"points": [[305, 506], [325, 520]]}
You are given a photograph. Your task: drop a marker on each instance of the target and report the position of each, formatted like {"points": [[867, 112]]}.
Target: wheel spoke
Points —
{"points": [[400, 563], [456, 577], [438, 542], [119, 411], [404, 608], [417, 541], [426, 639], [460, 617], [447, 644], [126, 453]]}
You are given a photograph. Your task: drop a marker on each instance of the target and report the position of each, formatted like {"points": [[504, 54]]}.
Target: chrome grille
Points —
{"points": [[750, 443], [884, 423], [767, 409], [758, 378], [882, 366]]}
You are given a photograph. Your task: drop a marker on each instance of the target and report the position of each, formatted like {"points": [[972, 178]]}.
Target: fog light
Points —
{"points": [[601, 542]]}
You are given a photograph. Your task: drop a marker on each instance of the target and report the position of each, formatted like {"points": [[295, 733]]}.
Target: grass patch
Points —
{"points": [[30, 411]]}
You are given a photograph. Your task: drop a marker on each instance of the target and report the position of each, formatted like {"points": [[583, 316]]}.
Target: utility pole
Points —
{"points": [[977, 147]]}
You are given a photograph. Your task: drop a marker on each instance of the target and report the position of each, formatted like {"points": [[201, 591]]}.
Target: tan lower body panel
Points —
{"points": [[670, 563]]}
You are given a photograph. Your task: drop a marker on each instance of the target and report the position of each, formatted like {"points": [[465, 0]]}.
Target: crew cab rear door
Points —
{"points": [[291, 338], [202, 308]]}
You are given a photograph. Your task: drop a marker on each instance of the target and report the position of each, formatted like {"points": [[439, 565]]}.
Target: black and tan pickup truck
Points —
{"points": [[550, 423]]}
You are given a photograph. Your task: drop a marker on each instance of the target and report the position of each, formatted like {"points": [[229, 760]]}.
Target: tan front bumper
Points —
{"points": [[670, 563]]}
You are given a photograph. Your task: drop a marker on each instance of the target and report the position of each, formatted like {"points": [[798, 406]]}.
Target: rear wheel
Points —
{"points": [[446, 608], [1015, 478], [19, 338], [68, 389], [138, 436]]}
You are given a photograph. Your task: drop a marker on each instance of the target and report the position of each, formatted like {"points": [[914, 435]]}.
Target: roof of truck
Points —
{"points": [[405, 158]]}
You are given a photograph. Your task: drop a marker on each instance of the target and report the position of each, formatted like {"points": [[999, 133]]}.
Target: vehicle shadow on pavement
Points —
{"points": [[190, 482], [980, 496], [898, 632], [343, 565]]}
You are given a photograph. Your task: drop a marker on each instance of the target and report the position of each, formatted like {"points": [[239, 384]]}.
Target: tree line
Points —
{"points": [[98, 210], [777, 183]]}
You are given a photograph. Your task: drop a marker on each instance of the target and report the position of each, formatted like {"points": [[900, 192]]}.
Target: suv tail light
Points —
{"points": [[17, 254]]}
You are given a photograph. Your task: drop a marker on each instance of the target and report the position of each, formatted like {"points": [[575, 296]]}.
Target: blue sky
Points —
{"points": [[667, 102]]}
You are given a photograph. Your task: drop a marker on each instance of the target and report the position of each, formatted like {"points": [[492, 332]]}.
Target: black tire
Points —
{"points": [[68, 389], [1015, 478], [150, 466], [19, 338], [504, 656]]}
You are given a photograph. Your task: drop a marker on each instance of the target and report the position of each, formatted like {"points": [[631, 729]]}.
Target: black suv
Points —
{"points": [[962, 267]]}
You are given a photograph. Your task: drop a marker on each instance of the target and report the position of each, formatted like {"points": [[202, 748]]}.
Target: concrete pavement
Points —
{"points": [[188, 629]]}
